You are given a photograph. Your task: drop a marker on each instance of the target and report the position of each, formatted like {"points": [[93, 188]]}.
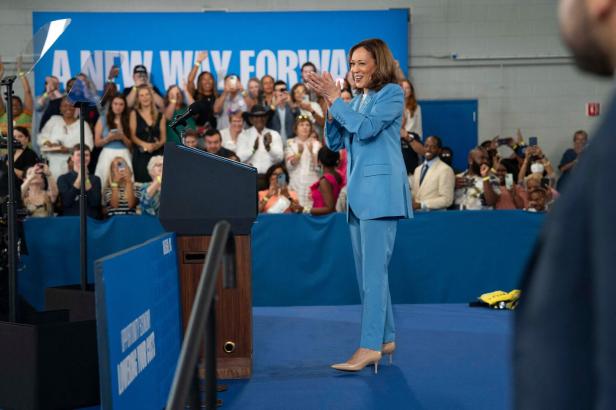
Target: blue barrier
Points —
{"points": [[440, 257]]}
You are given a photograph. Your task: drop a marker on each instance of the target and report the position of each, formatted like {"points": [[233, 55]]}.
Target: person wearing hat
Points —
{"points": [[140, 76], [259, 146]]}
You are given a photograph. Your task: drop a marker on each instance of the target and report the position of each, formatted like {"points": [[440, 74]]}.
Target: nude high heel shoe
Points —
{"points": [[388, 350], [365, 359]]}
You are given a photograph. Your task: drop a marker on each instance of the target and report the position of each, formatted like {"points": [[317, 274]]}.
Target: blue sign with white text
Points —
{"points": [[249, 44], [139, 324]]}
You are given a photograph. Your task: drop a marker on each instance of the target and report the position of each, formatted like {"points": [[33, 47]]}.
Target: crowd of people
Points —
{"points": [[277, 130]]}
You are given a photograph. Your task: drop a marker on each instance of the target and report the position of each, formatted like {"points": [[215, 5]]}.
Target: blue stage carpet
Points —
{"points": [[448, 357]]}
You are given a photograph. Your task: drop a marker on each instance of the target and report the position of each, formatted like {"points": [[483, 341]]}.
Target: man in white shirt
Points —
{"points": [[259, 146], [433, 182]]}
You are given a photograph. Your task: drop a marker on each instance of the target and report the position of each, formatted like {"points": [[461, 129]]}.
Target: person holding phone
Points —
{"points": [[148, 193], [231, 100], [39, 191], [111, 133], [119, 192], [311, 109], [141, 78], [278, 198], [378, 190], [511, 194]]}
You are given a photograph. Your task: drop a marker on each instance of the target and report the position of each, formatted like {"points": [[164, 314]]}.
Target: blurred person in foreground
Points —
{"points": [[565, 324]]}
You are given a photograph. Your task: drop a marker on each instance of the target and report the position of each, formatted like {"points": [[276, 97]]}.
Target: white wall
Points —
{"points": [[509, 56]]}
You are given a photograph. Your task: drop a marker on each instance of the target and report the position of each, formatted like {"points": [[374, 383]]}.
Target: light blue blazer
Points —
{"points": [[378, 186]]}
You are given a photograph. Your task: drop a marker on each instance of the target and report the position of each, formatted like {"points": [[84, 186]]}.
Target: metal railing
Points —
{"points": [[203, 320]]}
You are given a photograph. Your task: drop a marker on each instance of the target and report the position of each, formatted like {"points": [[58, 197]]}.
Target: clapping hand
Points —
{"points": [[267, 141], [256, 145], [324, 85]]}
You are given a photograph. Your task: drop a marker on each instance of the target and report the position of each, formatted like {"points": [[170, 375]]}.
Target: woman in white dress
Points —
{"points": [[110, 133], [301, 160]]}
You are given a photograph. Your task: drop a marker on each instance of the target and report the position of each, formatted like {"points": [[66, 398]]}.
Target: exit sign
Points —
{"points": [[593, 109]]}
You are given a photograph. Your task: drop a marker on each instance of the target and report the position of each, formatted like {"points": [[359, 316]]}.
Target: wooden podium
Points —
{"points": [[198, 190]]}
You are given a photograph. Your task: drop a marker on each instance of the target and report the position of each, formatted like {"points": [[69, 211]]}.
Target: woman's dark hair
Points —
{"points": [[328, 157], [198, 94], [270, 171], [295, 87], [385, 71], [512, 167], [166, 99], [124, 116], [24, 131]]}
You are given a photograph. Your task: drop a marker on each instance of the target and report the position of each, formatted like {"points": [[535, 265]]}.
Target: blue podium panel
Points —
{"points": [[139, 324]]}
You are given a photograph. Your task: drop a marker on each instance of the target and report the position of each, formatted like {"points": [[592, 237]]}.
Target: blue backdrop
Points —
{"points": [[246, 43], [138, 324], [440, 257]]}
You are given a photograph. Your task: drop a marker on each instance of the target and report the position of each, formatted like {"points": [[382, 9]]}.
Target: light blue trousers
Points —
{"points": [[373, 243]]}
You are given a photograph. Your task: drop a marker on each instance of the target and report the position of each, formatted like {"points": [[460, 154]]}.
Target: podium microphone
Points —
{"points": [[192, 110]]}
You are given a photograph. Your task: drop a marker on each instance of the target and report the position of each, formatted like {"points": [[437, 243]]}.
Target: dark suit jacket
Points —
{"points": [[70, 195], [565, 327], [289, 120]]}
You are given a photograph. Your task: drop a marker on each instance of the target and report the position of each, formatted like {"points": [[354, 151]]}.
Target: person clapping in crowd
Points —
{"points": [[149, 193], [326, 190], [231, 100], [39, 191], [59, 134], [24, 156], [111, 133], [174, 106], [284, 115], [229, 135], [205, 93], [69, 186], [142, 79], [213, 144], [148, 132], [433, 182], [570, 157], [22, 111], [301, 160], [277, 198], [311, 109], [119, 193], [477, 188], [259, 146]]}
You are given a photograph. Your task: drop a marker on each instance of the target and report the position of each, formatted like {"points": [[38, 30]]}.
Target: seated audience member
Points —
{"points": [[570, 157], [59, 134], [231, 100], [476, 188], [411, 132], [326, 190], [310, 109], [267, 91], [39, 191], [259, 146], [535, 163], [283, 116], [301, 160], [119, 193], [174, 106], [278, 198], [191, 139], [24, 156], [537, 181], [48, 103], [112, 134], [148, 130], [22, 111], [432, 183], [149, 192], [511, 194], [142, 79], [230, 135], [205, 93], [213, 144], [537, 200], [69, 187]]}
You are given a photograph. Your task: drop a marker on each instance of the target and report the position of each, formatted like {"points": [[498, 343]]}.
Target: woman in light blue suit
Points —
{"points": [[378, 192]]}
